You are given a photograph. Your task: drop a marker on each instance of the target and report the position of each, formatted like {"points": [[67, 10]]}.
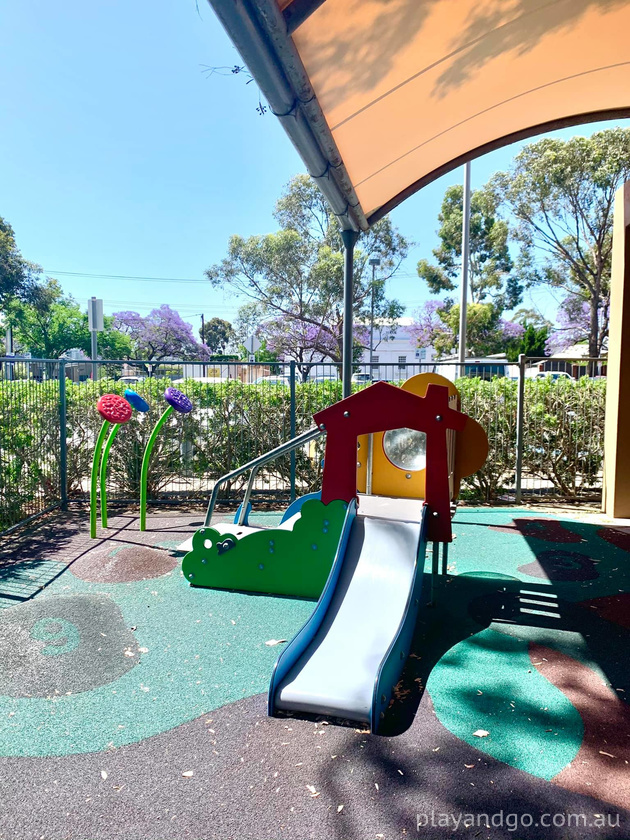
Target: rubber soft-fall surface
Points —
{"points": [[357, 649]]}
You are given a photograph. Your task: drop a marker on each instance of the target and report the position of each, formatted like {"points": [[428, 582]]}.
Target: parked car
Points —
{"points": [[554, 374], [362, 378], [324, 377], [272, 380], [208, 380], [131, 380]]}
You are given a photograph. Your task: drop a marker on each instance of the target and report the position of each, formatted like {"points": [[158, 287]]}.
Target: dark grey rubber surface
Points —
{"points": [[256, 777], [65, 666]]}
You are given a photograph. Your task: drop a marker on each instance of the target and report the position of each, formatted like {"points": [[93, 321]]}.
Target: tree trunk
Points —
{"points": [[593, 337]]}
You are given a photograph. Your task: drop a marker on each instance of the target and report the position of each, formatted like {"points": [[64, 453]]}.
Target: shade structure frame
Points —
{"points": [[259, 32], [333, 180], [296, 12]]}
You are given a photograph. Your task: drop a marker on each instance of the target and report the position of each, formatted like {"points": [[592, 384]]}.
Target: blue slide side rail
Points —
{"points": [[305, 636], [394, 660], [296, 506]]}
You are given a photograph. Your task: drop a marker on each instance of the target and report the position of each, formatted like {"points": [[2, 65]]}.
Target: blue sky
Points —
{"points": [[120, 156]]}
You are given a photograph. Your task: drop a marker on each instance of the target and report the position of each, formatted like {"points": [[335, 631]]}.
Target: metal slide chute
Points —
{"points": [[348, 657]]}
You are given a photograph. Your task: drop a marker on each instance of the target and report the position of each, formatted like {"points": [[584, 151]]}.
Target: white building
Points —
{"points": [[391, 358], [394, 357]]}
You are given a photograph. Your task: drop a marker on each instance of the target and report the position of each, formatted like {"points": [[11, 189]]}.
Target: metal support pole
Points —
{"points": [[242, 517], [203, 339], [349, 238], [63, 438], [373, 262], [292, 425], [463, 300], [520, 411], [372, 326], [94, 354], [435, 568]]}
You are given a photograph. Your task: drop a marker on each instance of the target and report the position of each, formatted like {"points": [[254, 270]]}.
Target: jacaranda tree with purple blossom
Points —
{"points": [[292, 280], [573, 323], [162, 334], [291, 339], [436, 325]]}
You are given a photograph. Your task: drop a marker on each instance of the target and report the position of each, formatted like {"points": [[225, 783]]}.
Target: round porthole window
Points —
{"points": [[406, 448]]}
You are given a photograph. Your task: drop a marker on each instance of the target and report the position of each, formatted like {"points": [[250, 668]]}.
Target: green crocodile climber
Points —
{"points": [[293, 559]]}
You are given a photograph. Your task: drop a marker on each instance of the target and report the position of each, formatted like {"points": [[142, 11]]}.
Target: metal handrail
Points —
{"points": [[254, 466], [242, 514]]}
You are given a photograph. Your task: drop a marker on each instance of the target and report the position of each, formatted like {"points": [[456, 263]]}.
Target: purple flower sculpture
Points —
{"points": [[179, 401], [176, 402], [136, 401]]}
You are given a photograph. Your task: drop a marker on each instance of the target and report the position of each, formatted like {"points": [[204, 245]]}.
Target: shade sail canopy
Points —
{"points": [[382, 96]]}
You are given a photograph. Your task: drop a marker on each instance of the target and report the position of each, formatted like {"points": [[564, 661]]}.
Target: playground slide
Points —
{"points": [[349, 656]]}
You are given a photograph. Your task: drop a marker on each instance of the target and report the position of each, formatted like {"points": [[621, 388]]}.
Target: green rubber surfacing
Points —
{"points": [[182, 652], [197, 650]]}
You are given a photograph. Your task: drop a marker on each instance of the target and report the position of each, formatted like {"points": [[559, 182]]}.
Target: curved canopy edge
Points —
{"points": [[500, 142]]}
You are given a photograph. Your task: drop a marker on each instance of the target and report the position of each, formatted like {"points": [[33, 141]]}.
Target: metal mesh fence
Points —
{"points": [[233, 420], [49, 424], [30, 452]]}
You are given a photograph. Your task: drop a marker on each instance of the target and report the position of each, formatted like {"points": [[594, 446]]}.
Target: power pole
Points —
{"points": [[373, 262], [349, 239], [463, 300]]}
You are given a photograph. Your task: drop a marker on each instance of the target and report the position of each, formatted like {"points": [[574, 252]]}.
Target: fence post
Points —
{"points": [[520, 411], [292, 429], [63, 437]]}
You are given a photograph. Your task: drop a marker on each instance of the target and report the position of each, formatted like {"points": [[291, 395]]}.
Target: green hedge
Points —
{"points": [[563, 433], [493, 404], [233, 423]]}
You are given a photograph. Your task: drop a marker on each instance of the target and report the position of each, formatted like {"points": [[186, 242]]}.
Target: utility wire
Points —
{"points": [[51, 271]]}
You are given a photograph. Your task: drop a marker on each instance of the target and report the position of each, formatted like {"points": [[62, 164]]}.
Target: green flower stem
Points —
{"points": [[108, 446], [144, 476], [94, 480]]}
